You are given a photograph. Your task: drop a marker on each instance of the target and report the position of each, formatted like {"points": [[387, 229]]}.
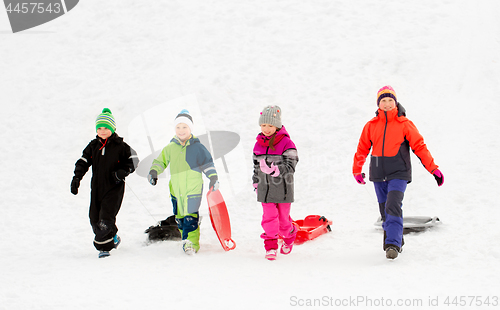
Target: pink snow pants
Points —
{"points": [[276, 222]]}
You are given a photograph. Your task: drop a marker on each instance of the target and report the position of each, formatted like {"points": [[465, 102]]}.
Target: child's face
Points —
{"points": [[103, 133], [268, 130], [182, 131], [387, 104]]}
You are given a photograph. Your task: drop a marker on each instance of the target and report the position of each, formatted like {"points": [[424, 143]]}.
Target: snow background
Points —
{"points": [[322, 62]]}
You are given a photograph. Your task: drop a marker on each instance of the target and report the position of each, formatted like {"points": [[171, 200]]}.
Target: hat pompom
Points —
{"points": [[106, 110]]}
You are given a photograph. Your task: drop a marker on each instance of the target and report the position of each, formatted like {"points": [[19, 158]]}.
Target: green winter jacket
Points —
{"points": [[187, 163]]}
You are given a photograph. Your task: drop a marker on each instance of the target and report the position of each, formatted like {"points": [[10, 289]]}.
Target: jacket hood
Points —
{"points": [[399, 107], [114, 136], [191, 140], [280, 134]]}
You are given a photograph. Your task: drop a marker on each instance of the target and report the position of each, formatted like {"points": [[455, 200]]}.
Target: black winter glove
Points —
{"points": [[75, 184], [119, 175], [214, 183], [153, 177]]}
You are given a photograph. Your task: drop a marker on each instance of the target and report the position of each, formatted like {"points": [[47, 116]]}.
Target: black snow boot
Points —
{"points": [[386, 245], [392, 251]]}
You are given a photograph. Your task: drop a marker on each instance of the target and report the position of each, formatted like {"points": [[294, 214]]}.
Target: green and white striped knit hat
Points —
{"points": [[106, 119]]}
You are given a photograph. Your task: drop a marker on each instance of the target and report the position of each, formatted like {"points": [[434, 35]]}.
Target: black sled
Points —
{"points": [[164, 230]]}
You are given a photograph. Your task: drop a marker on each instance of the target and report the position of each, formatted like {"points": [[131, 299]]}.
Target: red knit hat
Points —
{"points": [[386, 91]]}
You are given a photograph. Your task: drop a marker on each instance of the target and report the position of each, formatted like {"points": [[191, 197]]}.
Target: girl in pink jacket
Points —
{"points": [[275, 157]]}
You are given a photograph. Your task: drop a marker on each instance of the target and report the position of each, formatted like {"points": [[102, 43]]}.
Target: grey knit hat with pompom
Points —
{"points": [[271, 115]]}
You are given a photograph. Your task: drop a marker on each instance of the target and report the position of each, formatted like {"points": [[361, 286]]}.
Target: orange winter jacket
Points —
{"points": [[389, 135]]}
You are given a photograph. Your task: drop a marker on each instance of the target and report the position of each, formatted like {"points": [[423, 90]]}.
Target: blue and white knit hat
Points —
{"points": [[105, 119], [185, 118]]}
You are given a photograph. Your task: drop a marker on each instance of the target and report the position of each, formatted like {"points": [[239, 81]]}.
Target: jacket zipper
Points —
{"points": [[103, 147], [383, 147], [184, 199], [267, 179]]}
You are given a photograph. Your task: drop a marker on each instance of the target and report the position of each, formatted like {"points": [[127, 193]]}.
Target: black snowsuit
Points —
{"points": [[106, 158]]}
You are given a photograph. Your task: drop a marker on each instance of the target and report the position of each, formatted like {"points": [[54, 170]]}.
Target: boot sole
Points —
{"points": [[104, 254], [391, 253], [190, 251]]}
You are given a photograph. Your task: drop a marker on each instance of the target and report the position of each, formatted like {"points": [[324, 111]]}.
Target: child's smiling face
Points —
{"points": [[182, 131], [268, 130], [387, 104], [103, 133]]}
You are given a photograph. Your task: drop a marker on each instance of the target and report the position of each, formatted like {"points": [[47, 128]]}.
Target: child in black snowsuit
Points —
{"points": [[112, 160]]}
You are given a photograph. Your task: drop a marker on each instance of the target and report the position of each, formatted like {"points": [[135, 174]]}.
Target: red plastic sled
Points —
{"points": [[311, 227], [220, 219]]}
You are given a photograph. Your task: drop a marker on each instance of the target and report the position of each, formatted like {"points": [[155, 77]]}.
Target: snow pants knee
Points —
{"points": [[390, 196], [276, 222]]}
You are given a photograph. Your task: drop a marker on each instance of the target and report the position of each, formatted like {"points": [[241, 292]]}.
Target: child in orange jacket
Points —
{"points": [[389, 136]]}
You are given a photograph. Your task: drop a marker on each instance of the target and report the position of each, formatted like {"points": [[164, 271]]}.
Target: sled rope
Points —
{"points": [[369, 194], [140, 202]]}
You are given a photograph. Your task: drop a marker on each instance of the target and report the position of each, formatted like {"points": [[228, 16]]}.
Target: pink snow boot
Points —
{"points": [[271, 246], [271, 254], [287, 246]]}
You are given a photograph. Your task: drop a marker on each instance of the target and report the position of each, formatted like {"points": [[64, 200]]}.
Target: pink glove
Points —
{"points": [[360, 178], [439, 177], [273, 170], [255, 186]]}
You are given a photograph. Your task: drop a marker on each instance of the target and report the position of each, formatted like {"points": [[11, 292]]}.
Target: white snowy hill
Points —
{"points": [[322, 62]]}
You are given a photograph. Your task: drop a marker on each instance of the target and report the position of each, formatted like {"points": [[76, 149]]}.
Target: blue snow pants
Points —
{"points": [[390, 196]]}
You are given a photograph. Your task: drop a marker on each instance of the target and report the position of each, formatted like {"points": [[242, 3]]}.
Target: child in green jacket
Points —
{"points": [[188, 159]]}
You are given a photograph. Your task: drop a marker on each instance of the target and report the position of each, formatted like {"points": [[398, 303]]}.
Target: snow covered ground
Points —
{"points": [[322, 61]]}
